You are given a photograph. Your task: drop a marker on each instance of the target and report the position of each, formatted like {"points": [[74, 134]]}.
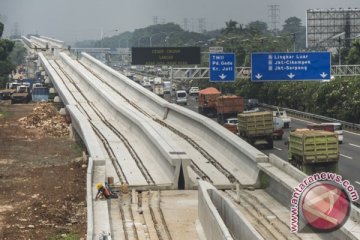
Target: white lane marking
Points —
{"points": [[357, 182], [278, 148], [354, 145], [345, 156], [352, 133]]}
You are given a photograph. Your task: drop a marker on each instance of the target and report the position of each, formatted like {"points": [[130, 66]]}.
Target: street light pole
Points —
{"points": [[293, 40], [102, 35], [168, 37], [153, 36], [140, 39]]}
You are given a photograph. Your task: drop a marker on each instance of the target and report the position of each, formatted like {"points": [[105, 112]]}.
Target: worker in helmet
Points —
{"points": [[104, 192]]}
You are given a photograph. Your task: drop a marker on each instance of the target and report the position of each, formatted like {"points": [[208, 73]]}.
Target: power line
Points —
{"points": [[274, 14]]}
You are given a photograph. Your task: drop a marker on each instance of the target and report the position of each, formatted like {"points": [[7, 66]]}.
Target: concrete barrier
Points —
{"points": [[171, 158], [89, 202], [98, 218], [84, 130], [234, 149], [219, 216]]}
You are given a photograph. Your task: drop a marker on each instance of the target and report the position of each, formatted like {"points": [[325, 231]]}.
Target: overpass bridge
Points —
{"points": [[181, 175]]}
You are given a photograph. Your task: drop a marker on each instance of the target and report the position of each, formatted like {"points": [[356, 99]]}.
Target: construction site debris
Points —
{"points": [[46, 119]]}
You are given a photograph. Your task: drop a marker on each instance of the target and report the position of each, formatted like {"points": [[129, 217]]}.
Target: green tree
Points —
{"points": [[292, 24], [231, 27], [354, 53], [6, 66], [295, 31], [17, 55], [1, 29], [258, 27]]}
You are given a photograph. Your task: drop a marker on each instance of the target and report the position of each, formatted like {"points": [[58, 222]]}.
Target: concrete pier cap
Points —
{"points": [[63, 112], [57, 99]]}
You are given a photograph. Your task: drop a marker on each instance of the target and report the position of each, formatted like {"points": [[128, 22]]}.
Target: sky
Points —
{"points": [[76, 20]]}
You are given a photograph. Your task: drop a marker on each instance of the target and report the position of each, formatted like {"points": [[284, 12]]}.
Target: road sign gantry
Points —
{"points": [[290, 66], [222, 67]]}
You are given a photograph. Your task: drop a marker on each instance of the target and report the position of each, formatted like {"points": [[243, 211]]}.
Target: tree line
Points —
{"points": [[12, 54]]}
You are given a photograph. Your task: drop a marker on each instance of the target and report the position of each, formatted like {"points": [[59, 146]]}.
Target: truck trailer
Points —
{"points": [[257, 128], [207, 101], [228, 107], [314, 151]]}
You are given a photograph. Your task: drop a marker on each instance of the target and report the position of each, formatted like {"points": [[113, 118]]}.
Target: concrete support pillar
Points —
{"points": [[237, 192]]}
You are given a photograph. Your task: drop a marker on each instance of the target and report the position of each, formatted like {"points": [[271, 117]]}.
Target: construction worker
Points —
{"points": [[104, 192]]}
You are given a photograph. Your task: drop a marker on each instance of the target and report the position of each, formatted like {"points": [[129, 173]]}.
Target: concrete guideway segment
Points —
{"points": [[98, 210], [240, 158], [56, 80], [218, 216], [145, 129], [54, 43]]}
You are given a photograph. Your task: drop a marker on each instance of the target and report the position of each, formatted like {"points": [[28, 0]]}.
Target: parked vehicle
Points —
{"points": [[9, 90], [330, 127], [39, 93], [282, 114], [22, 95], [181, 97], [257, 128], [314, 151]]}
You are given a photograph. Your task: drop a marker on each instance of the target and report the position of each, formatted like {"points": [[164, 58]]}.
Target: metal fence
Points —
{"points": [[346, 125]]}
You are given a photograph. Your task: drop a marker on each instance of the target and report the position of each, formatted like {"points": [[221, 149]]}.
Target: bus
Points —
{"points": [[330, 127]]}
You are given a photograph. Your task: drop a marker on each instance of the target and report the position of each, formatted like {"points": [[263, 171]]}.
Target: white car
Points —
{"points": [[194, 91], [232, 121]]}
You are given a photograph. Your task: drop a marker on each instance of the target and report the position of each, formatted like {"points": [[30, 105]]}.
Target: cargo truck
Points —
{"points": [[207, 101], [158, 86], [257, 128], [212, 104], [22, 95], [9, 90], [228, 107], [313, 151]]}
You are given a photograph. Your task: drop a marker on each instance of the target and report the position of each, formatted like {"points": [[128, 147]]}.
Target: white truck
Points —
{"points": [[283, 116], [158, 86]]}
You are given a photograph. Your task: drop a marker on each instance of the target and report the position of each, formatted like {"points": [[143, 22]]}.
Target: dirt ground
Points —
{"points": [[42, 181]]}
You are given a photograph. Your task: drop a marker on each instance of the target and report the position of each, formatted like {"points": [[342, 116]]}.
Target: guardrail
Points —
{"points": [[347, 125]]}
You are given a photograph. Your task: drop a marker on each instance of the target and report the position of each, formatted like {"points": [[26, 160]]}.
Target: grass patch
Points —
{"points": [[264, 180], [4, 113], [70, 236]]}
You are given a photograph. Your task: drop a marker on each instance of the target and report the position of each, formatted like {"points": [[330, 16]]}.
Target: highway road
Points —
{"points": [[349, 166], [349, 163]]}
